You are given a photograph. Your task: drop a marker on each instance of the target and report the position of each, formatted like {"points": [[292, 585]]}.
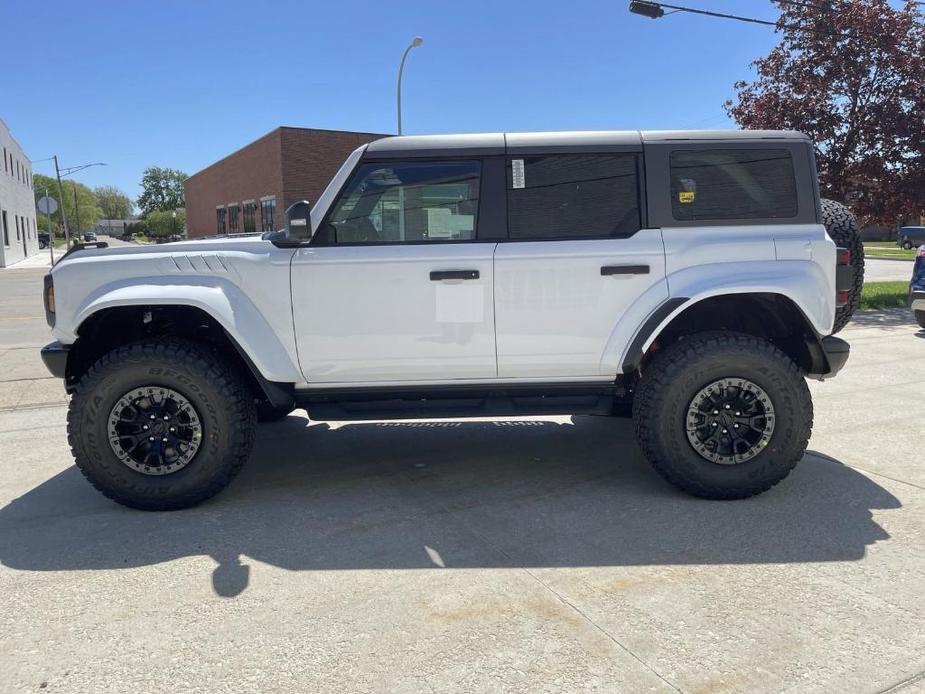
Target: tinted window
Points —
{"points": [[573, 196], [425, 201], [733, 184]]}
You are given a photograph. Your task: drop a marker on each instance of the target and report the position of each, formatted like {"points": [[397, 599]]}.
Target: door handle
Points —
{"points": [[607, 270], [437, 275]]}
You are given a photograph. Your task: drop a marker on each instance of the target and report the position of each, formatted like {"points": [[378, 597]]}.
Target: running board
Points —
{"points": [[465, 401], [467, 407]]}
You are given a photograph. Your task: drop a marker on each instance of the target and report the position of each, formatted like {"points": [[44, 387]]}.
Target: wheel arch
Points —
{"points": [[115, 324], [773, 316]]}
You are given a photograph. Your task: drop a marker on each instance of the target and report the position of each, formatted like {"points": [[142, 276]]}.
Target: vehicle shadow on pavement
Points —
{"points": [[424, 495]]}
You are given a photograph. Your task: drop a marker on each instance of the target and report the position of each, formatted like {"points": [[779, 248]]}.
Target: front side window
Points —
{"points": [[406, 202], [732, 184], [568, 196]]}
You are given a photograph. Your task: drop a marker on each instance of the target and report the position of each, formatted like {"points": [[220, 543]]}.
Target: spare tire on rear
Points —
{"points": [[842, 228]]}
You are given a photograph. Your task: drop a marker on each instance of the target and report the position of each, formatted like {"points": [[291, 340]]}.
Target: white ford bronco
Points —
{"points": [[690, 279]]}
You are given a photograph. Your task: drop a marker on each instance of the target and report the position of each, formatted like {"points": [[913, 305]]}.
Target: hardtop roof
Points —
{"points": [[608, 140]]}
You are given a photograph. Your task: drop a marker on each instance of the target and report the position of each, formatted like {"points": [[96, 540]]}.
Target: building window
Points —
{"points": [[267, 212], [6, 230], [250, 217], [233, 216], [732, 184], [220, 220]]}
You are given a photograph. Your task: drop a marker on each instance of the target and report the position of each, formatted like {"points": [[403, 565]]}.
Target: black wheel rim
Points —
{"points": [[730, 421], [154, 430]]}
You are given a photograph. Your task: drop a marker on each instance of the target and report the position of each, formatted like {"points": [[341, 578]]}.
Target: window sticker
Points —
{"points": [[686, 196], [519, 179]]}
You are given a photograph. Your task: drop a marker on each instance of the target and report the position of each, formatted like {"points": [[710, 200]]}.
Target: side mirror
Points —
{"points": [[299, 221]]}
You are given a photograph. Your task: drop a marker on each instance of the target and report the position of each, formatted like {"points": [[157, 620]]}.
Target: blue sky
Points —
{"points": [[182, 83]]}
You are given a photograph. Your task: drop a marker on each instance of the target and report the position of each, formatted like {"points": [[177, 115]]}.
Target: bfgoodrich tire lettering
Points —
{"points": [[222, 400], [677, 374]]}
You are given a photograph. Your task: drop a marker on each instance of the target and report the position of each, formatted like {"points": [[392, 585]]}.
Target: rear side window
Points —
{"points": [[567, 196], [732, 184]]}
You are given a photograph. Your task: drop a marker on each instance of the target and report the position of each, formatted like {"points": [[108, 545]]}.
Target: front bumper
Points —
{"points": [[55, 357], [917, 300]]}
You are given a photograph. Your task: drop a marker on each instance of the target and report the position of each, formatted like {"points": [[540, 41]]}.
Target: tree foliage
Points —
{"points": [[161, 190], [163, 223], [113, 202], [851, 75], [87, 204]]}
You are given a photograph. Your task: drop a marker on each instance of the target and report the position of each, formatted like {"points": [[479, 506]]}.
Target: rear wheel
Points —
{"points": [[920, 318], [907, 244], [842, 228], [161, 425], [723, 415]]}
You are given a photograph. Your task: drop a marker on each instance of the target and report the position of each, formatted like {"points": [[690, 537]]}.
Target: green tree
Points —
{"points": [[87, 206], [164, 223], [161, 190], [113, 202]]}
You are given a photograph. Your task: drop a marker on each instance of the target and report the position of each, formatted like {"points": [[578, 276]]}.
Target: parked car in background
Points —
{"points": [[910, 237], [917, 287], [89, 236], [44, 239]]}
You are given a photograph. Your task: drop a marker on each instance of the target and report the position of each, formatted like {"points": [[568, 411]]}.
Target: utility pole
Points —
{"points": [[77, 212], [51, 234], [67, 236]]}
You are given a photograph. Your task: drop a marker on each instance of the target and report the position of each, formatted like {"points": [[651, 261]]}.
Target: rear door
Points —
{"points": [[577, 259]]}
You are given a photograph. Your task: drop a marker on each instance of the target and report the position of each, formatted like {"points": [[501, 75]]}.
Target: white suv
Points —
{"points": [[686, 277]]}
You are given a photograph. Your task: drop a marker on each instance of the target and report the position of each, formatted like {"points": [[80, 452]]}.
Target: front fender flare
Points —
{"points": [[219, 298]]}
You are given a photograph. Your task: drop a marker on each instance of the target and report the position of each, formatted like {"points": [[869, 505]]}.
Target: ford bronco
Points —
{"points": [[690, 279]]}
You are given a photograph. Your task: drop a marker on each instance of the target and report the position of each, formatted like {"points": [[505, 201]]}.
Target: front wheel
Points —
{"points": [[723, 415], [907, 245], [920, 318], [161, 425]]}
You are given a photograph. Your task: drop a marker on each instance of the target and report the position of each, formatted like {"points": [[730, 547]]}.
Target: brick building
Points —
{"points": [[249, 190]]}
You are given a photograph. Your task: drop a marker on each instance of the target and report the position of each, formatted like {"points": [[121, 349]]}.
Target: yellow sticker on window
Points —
{"points": [[685, 196]]}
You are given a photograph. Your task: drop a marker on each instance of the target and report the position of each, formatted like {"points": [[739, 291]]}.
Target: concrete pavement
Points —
{"points": [[880, 270], [516, 555]]}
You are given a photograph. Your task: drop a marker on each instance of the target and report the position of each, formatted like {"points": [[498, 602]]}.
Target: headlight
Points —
{"points": [[49, 297]]}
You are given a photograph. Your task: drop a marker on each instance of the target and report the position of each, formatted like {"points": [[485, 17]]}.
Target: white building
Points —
{"points": [[18, 233]]}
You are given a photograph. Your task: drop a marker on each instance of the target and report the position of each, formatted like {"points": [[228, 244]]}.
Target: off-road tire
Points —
{"points": [[920, 319], [842, 228], [674, 377], [267, 413], [210, 383]]}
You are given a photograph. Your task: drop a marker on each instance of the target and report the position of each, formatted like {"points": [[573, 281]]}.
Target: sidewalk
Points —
{"points": [[40, 260]]}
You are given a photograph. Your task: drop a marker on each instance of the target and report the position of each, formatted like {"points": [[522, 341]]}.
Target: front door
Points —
{"points": [[575, 263], [396, 286]]}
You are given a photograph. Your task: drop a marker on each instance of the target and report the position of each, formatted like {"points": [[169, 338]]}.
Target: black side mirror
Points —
{"points": [[298, 227], [299, 221]]}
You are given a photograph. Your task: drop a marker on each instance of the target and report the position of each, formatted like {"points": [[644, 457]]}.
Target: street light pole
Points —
{"points": [[67, 236], [417, 41], [51, 234], [76, 212]]}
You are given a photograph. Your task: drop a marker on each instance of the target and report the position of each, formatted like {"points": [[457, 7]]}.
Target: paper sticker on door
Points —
{"points": [[686, 196], [460, 303]]}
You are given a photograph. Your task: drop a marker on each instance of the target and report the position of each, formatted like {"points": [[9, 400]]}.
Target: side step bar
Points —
{"points": [[461, 401]]}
